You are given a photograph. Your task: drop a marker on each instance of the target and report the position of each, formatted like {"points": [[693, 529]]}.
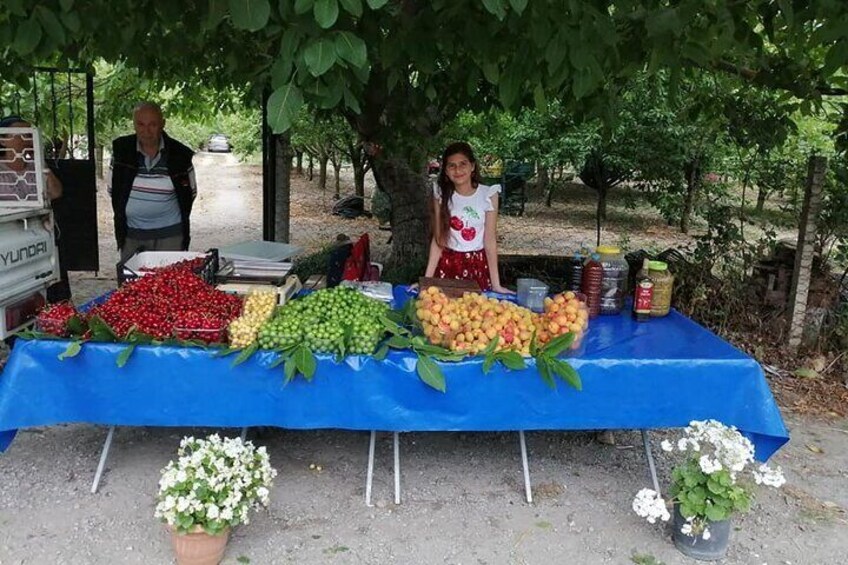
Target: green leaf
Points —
{"points": [[352, 7], [512, 360], [376, 4], [496, 8], [51, 24], [391, 325], [351, 48], [76, 325], [66, 5], [251, 15], [124, 355], [100, 330], [72, 350], [489, 351], [429, 372], [715, 513], [16, 7], [303, 6], [567, 373], [518, 5], [558, 344], [320, 56], [245, 354], [488, 362], [71, 21], [326, 12], [283, 107], [281, 71], [278, 361], [289, 369], [534, 345], [398, 342], [224, 351], [27, 37], [216, 13], [381, 352], [305, 361], [545, 372]]}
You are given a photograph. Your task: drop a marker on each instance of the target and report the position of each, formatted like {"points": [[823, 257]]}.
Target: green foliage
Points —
{"points": [[716, 496]]}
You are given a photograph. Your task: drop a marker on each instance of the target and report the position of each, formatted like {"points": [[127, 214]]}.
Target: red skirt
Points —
{"points": [[467, 265]]}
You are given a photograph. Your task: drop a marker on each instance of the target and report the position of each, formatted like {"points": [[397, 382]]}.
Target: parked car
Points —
{"points": [[218, 142]]}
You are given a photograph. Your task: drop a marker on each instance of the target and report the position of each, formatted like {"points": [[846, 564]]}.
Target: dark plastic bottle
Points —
{"points": [[574, 272], [592, 281]]}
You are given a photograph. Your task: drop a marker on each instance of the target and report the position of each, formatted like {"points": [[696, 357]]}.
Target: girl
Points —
{"points": [[465, 219]]}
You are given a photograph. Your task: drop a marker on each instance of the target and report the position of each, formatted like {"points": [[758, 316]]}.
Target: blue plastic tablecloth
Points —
{"points": [[657, 374]]}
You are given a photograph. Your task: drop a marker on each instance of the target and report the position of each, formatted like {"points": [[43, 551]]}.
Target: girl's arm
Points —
{"points": [[435, 250], [490, 245]]}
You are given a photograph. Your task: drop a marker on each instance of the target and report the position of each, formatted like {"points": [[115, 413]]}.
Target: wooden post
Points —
{"points": [[802, 271]]}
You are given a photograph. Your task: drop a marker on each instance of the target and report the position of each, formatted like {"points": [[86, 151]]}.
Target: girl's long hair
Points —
{"points": [[446, 187]]}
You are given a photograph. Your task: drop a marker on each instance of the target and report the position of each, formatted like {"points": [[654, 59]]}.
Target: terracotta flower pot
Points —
{"points": [[199, 548]]}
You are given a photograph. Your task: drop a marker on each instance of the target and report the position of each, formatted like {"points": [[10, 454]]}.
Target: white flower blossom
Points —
{"points": [[709, 466], [686, 529], [706, 535], [650, 505], [666, 445], [765, 475], [191, 487]]}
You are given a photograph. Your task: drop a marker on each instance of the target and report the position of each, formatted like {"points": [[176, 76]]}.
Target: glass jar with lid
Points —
{"points": [[614, 285], [663, 286]]}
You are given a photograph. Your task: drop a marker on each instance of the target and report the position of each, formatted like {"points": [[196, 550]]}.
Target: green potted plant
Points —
{"points": [[209, 489], [716, 479]]}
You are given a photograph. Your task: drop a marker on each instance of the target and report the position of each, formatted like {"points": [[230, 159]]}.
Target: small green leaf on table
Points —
{"points": [[558, 344], [545, 371], [124, 355], [305, 361], [290, 369], [381, 352], [72, 350], [429, 372], [245, 354], [512, 360], [567, 373]]}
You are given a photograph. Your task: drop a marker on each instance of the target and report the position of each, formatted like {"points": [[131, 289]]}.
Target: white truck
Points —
{"points": [[29, 258]]}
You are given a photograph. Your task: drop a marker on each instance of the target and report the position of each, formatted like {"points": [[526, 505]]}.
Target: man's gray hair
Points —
{"points": [[147, 105]]}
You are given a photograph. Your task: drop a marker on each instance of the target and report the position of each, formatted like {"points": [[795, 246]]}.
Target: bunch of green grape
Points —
{"points": [[337, 320]]}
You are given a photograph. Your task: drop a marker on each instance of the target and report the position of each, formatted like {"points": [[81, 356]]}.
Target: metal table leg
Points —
{"points": [[646, 441], [104, 453], [528, 492], [369, 478], [397, 467]]}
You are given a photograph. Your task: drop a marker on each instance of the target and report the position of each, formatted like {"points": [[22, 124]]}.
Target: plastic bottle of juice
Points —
{"points": [[643, 293], [593, 278]]}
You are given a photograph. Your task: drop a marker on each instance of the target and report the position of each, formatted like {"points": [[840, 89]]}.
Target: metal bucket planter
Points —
{"points": [[695, 546]]}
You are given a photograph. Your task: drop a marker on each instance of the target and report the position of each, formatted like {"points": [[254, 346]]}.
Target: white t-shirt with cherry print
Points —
{"points": [[468, 217]]}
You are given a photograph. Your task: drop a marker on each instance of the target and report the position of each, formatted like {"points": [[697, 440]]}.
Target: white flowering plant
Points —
{"points": [[716, 479], [213, 484]]}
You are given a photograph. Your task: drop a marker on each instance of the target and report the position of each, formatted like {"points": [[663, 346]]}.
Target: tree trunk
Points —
{"points": [[322, 172], [298, 155], [311, 169], [359, 178], [693, 179], [283, 193], [602, 202], [601, 213], [803, 267], [98, 160], [545, 185], [410, 213], [762, 194], [336, 172]]}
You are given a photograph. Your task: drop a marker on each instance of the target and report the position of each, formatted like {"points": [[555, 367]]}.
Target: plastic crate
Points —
{"points": [[141, 263]]}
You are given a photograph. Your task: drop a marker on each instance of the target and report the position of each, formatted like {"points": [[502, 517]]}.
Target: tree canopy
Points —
{"points": [[398, 70]]}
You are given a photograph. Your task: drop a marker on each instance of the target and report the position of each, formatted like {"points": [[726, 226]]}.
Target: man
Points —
{"points": [[152, 185]]}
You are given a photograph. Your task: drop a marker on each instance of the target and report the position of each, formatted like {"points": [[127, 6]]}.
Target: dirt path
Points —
{"points": [[463, 495]]}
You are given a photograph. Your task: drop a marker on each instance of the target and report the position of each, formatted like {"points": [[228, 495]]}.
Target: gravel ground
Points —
{"points": [[462, 493]]}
